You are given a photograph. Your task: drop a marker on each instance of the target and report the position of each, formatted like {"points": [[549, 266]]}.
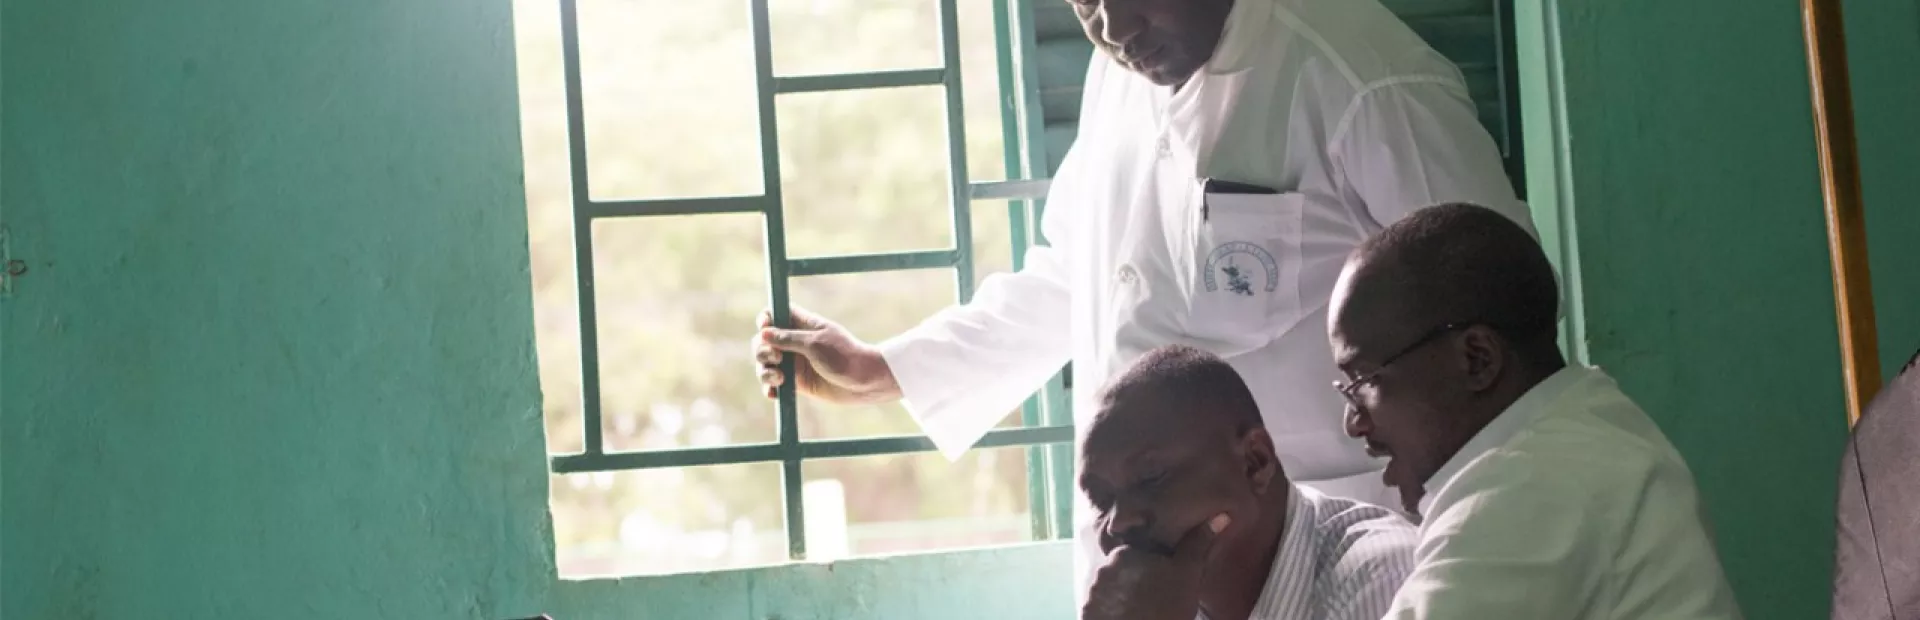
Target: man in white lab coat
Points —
{"points": [[1197, 517], [1230, 154], [1544, 491]]}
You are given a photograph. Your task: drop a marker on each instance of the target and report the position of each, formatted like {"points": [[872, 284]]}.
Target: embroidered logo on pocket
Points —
{"points": [[1237, 261]]}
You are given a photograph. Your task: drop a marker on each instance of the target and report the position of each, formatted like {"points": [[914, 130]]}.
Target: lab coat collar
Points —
{"points": [[1536, 402], [1195, 115], [1247, 22]]}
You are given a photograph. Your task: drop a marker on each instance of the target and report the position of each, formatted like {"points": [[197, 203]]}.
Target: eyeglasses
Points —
{"points": [[1348, 389]]}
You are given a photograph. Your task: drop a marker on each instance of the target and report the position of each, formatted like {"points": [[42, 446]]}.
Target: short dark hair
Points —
{"points": [[1464, 263], [1183, 374]]}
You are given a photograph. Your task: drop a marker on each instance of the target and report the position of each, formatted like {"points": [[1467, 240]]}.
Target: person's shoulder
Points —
{"points": [[1566, 462], [1360, 543], [1361, 43], [1604, 439], [1591, 432], [1580, 462]]}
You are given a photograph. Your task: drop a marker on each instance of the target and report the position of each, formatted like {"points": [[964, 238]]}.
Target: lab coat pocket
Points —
{"points": [[1244, 291]]}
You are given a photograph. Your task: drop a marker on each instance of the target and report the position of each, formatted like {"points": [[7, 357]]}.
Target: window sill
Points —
{"points": [[1028, 580]]}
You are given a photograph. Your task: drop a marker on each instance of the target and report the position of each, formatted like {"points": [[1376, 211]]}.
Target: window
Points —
{"points": [[690, 163], [732, 156]]}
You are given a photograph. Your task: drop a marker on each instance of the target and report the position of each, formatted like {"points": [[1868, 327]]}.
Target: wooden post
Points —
{"points": [[1840, 185]]}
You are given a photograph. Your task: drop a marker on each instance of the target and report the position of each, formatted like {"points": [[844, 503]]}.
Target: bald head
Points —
{"points": [[1183, 382], [1456, 263]]}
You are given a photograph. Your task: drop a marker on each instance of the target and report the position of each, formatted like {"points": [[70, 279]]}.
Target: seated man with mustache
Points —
{"points": [[1545, 491], [1196, 518]]}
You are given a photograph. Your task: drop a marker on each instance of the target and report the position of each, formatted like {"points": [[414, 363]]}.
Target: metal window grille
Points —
{"points": [[1046, 427]]}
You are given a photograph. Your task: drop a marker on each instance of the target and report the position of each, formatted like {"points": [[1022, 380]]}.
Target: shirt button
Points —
{"points": [[1127, 275], [1165, 147]]}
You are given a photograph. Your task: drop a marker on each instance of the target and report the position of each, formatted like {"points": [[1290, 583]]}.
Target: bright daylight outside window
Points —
{"points": [[671, 112]]}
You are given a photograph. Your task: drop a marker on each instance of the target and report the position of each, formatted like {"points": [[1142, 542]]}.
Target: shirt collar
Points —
{"points": [[1287, 594], [1538, 400]]}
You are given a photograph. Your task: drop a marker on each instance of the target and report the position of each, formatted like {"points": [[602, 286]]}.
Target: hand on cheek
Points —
{"points": [[1141, 584]]}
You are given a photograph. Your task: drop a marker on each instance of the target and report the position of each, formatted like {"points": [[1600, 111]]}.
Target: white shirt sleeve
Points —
{"points": [[966, 368], [1416, 141], [1514, 546]]}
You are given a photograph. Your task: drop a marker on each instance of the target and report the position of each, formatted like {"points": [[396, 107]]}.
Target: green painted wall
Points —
{"points": [[273, 357], [1688, 187], [1884, 40]]}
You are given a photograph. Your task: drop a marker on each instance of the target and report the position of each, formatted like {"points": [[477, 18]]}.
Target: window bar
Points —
{"points": [[815, 449], [674, 206], [1010, 190], [959, 193], [870, 263], [582, 229], [858, 81], [1035, 122], [776, 234], [1058, 409], [1506, 62], [1060, 457], [1037, 490]]}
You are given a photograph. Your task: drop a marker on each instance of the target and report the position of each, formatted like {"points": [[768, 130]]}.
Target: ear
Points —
{"points": [[1483, 357], [1262, 466]]}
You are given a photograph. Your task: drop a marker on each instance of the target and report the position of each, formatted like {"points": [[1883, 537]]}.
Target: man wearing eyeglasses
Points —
{"points": [[1544, 492]]}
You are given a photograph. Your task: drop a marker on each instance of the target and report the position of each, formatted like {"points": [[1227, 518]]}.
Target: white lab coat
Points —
{"points": [[1334, 103], [1573, 505]]}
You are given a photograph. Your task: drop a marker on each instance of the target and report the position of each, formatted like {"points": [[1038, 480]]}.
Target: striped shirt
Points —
{"points": [[1338, 560]]}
